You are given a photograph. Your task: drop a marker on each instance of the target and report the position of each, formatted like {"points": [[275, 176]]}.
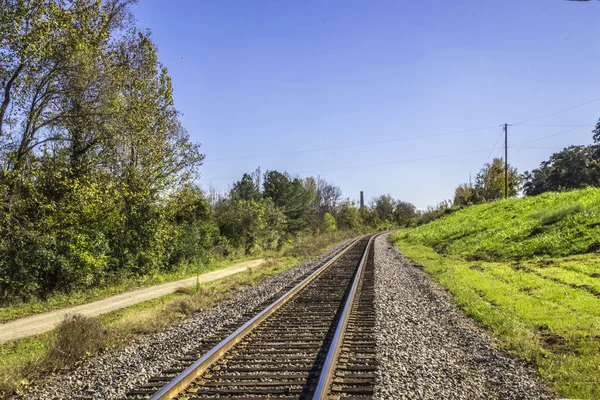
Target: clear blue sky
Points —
{"points": [[253, 78]]}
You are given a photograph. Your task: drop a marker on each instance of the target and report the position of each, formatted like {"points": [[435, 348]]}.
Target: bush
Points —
{"points": [[75, 337], [329, 224]]}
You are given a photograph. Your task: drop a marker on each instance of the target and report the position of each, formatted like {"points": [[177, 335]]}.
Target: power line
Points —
{"points": [[550, 125], [545, 148], [559, 112], [554, 134], [520, 123], [494, 148], [396, 162], [348, 145], [375, 165]]}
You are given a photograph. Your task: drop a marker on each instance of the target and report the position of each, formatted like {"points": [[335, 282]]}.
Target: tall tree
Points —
{"points": [[570, 168], [246, 189], [490, 181], [384, 207]]}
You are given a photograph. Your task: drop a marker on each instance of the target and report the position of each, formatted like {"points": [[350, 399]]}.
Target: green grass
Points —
{"points": [[62, 300], [527, 270], [552, 224], [303, 246], [24, 362]]}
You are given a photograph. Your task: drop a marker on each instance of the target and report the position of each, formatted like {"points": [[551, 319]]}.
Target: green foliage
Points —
{"points": [[551, 224], [434, 212], [329, 224], [490, 181], [389, 212], [543, 310], [404, 213], [465, 195], [571, 168], [246, 189], [250, 225], [384, 207], [348, 216], [95, 162]]}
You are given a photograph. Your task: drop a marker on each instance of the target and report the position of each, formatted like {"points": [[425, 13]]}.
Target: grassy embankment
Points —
{"points": [[528, 270], [24, 362]]}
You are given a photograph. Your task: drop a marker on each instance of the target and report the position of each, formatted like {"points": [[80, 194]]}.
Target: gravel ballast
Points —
{"points": [[429, 349], [111, 375]]}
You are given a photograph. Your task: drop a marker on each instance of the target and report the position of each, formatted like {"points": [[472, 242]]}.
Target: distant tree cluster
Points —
{"points": [[262, 211], [571, 168], [489, 185]]}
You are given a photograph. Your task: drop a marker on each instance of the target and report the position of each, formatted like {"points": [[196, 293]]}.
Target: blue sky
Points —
{"points": [[255, 79]]}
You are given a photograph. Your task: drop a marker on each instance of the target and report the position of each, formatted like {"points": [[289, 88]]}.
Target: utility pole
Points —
{"points": [[362, 200], [505, 160]]}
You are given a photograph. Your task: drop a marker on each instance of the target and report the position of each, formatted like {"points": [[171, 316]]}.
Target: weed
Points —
{"points": [[76, 336]]}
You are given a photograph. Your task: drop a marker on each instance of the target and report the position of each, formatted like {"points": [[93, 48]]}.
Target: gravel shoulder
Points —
{"points": [[429, 349], [110, 376]]}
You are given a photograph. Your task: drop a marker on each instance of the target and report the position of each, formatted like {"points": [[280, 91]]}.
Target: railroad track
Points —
{"points": [[315, 342]]}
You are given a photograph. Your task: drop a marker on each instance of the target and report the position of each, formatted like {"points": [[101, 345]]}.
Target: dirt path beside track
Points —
{"points": [[44, 322]]}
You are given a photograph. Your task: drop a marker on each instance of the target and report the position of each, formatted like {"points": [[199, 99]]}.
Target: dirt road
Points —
{"points": [[47, 321]]}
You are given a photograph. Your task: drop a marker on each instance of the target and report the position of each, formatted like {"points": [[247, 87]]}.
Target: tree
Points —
{"points": [[348, 216], [465, 195], [276, 186], [384, 207], [323, 198], [246, 189], [490, 181], [404, 212], [329, 224], [570, 168], [94, 161], [291, 196]]}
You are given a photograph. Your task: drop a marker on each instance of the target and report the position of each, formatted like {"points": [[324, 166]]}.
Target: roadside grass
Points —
{"points": [[527, 270], [25, 362], [62, 300], [303, 246], [549, 225]]}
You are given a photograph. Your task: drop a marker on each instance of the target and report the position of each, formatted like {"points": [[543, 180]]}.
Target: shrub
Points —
{"points": [[75, 337]]}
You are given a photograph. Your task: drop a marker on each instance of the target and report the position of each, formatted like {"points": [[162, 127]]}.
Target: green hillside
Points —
{"points": [[528, 270], [552, 224]]}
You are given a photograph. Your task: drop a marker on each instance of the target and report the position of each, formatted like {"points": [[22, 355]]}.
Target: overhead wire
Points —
{"points": [[349, 145], [523, 123], [554, 134], [558, 112], [493, 148]]}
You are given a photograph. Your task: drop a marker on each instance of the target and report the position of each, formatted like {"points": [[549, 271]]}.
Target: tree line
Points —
{"points": [[571, 168], [97, 174], [262, 211]]}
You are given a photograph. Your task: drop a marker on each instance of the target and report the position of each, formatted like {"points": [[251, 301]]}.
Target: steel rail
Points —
{"points": [[179, 383], [329, 366]]}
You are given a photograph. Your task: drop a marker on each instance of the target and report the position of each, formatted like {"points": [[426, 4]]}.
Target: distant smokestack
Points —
{"points": [[362, 200]]}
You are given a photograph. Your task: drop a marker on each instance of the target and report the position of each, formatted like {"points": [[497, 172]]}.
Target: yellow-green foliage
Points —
{"points": [[552, 224], [526, 269]]}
